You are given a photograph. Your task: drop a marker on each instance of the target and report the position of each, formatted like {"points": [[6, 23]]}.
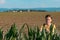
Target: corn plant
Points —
{"points": [[1, 34], [21, 35], [44, 34], [12, 33], [33, 33]]}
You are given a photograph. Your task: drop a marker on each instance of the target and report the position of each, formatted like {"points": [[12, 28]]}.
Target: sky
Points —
{"points": [[29, 3]]}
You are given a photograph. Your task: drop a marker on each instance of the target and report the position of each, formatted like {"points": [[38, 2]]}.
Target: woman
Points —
{"points": [[48, 24]]}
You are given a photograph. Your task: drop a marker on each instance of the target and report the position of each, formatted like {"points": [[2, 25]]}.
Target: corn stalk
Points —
{"points": [[12, 33], [1, 34], [33, 33]]}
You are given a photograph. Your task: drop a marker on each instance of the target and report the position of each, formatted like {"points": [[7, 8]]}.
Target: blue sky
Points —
{"points": [[29, 3]]}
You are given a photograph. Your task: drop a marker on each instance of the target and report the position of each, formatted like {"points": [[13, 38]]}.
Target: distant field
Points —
{"points": [[31, 18]]}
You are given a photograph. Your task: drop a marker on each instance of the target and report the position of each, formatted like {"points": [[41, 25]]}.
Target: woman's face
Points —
{"points": [[48, 20]]}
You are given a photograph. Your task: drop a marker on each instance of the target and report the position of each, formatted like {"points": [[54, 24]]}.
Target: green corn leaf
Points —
{"points": [[1, 34], [13, 32]]}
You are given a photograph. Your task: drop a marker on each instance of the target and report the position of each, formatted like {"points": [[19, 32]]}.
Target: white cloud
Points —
{"points": [[2, 1]]}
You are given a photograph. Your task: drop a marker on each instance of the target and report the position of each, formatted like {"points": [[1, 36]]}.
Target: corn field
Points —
{"points": [[32, 34]]}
